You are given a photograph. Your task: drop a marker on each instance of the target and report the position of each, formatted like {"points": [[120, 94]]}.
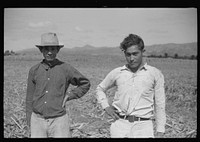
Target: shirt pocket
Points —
{"points": [[147, 88], [40, 80], [144, 82], [59, 82], [124, 80]]}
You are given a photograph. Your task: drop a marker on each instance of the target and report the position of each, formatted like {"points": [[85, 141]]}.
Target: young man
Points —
{"points": [[46, 91], [140, 88]]}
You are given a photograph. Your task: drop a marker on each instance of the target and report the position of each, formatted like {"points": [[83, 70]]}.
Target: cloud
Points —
{"points": [[79, 29], [39, 24]]}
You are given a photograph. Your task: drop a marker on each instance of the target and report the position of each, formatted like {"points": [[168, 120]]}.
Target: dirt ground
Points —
{"points": [[86, 116]]}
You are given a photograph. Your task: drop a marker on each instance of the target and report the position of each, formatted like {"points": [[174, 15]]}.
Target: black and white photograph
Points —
{"points": [[100, 72]]}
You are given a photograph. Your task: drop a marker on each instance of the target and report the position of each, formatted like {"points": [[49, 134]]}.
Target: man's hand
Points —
{"points": [[160, 135], [111, 111]]}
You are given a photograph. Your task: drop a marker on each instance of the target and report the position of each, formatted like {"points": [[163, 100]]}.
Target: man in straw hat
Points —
{"points": [[47, 94]]}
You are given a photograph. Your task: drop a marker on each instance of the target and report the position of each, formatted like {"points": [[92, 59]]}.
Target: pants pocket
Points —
{"points": [[60, 127], [119, 129]]}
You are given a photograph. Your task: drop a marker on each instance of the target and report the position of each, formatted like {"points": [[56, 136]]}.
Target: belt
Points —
{"points": [[48, 117], [38, 115], [132, 118]]}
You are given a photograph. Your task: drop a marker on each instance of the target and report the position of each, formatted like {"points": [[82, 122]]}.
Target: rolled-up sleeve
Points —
{"points": [[101, 89], [160, 114]]}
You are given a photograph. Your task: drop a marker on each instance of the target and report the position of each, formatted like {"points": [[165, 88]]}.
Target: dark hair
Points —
{"points": [[131, 40]]}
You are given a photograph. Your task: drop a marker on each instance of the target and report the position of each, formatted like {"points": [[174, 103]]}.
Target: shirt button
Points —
{"points": [[48, 78], [46, 91], [45, 102]]}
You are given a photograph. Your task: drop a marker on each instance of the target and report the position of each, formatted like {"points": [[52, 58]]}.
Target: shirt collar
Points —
{"points": [[144, 66], [51, 64]]}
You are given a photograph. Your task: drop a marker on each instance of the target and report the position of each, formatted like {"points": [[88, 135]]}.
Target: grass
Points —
{"points": [[86, 116]]}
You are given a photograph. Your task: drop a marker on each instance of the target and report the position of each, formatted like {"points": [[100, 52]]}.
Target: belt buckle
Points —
{"points": [[131, 118]]}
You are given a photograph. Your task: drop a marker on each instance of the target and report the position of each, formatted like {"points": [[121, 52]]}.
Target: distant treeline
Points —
{"points": [[7, 53], [176, 56]]}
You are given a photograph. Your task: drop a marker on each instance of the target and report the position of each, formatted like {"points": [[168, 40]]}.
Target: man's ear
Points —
{"points": [[125, 52], [58, 49]]}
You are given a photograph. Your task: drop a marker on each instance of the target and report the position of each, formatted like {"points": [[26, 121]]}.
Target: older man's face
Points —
{"points": [[50, 52]]}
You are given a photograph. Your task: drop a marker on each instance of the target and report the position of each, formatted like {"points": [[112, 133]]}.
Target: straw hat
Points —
{"points": [[49, 39]]}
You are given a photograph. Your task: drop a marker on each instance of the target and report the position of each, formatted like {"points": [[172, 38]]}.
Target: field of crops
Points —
{"points": [[86, 116]]}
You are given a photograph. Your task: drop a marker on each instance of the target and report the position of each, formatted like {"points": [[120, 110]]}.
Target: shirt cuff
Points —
{"points": [[104, 105]]}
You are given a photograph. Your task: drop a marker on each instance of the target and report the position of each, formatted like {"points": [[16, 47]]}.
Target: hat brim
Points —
{"points": [[49, 45]]}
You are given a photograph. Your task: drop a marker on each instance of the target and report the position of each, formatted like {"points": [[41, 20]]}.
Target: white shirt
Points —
{"points": [[137, 93]]}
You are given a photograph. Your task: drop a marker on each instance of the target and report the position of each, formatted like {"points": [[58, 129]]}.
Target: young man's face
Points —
{"points": [[134, 57], [49, 52]]}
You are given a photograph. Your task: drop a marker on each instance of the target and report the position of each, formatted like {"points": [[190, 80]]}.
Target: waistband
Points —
{"points": [[132, 118], [49, 117]]}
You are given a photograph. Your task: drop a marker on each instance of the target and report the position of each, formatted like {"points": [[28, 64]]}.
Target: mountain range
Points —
{"points": [[185, 49]]}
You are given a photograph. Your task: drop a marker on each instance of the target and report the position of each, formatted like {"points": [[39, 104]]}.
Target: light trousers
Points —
{"points": [[122, 128], [54, 127]]}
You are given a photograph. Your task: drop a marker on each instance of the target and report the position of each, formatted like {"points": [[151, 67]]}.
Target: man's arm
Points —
{"points": [[160, 103], [101, 89], [29, 96], [82, 83]]}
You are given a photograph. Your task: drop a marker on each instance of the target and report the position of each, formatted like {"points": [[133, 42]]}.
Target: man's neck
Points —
{"points": [[50, 63], [134, 70]]}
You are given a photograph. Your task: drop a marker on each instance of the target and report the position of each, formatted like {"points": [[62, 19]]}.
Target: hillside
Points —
{"points": [[186, 49]]}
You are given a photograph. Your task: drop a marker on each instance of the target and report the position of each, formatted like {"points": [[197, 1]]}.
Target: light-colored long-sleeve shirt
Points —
{"points": [[137, 93]]}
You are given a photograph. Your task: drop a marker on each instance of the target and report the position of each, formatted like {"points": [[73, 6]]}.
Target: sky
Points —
{"points": [[99, 27]]}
